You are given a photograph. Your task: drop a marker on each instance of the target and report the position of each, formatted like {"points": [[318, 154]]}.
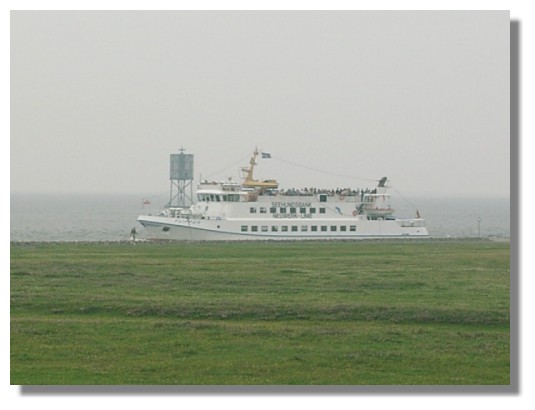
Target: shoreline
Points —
{"points": [[169, 241]]}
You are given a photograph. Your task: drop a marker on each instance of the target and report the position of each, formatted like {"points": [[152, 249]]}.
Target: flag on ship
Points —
{"points": [[265, 155]]}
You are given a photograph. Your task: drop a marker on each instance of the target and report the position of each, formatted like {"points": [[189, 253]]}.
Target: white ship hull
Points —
{"points": [[213, 230]]}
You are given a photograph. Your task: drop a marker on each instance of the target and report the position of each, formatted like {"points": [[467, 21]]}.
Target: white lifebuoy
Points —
{"points": [[354, 213]]}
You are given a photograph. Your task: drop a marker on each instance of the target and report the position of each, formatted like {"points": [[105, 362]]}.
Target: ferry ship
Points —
{"points": [[259, 210]]}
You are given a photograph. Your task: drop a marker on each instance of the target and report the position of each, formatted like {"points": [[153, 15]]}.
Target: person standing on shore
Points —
{"points": [[133, 235]]}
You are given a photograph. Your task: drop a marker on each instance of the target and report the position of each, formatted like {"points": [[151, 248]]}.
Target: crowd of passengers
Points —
{"points": [[315, 191]]}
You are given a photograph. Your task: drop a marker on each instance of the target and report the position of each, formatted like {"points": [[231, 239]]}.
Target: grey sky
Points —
{"points": [[100, 99]]}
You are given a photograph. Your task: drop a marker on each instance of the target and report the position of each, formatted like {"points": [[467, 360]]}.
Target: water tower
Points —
{"points": [[181, 176]]}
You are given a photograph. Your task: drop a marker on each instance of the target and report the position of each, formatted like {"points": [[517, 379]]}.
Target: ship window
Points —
{"points": [[323, 198], [200, 197], [165, 229], [262, 210], [323, 228], [254, 228], [352, 228], [218, 199], [333, 228], [314, 228], [294, 228], [252, 210], [304, 228], [283, 210], [322, 210], [284, 228], [312, 210], [225, 198], [343, 228], [302, 210], [212, 197], [293, 210], [264, 228], [274, 228], [273, 210], [244, 228]]}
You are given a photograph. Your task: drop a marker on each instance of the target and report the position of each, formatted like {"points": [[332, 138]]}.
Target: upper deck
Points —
{"points": [[235, 192]]}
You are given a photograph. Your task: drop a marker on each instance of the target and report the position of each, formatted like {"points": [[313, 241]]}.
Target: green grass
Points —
{"points": [[343, 313]]}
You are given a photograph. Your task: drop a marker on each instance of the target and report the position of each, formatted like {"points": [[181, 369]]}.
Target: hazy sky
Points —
{"points": [[100, 99]]}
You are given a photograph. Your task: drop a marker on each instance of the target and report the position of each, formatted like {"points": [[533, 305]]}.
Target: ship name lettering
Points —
{"points": [[292, 216], [290, 204]]}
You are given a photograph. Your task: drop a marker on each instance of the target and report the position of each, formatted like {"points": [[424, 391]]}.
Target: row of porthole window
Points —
{"points": [[296, 228], [283, 210]]}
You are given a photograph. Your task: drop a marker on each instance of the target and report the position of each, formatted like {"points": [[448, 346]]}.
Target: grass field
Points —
{"points": [[292, 313]]}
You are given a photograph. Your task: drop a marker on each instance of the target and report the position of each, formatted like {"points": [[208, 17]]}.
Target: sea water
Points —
{"points": [[70, 217]]}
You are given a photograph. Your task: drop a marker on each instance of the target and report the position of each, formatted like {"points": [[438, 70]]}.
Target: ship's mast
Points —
{"points": [[248, 171], [250, 182]]}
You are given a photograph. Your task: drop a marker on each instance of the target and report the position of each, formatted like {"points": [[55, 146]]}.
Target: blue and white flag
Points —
{"points": [[265, 155]]}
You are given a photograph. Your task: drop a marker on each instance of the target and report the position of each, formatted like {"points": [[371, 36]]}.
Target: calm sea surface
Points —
{"points": [[44, 217]]}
